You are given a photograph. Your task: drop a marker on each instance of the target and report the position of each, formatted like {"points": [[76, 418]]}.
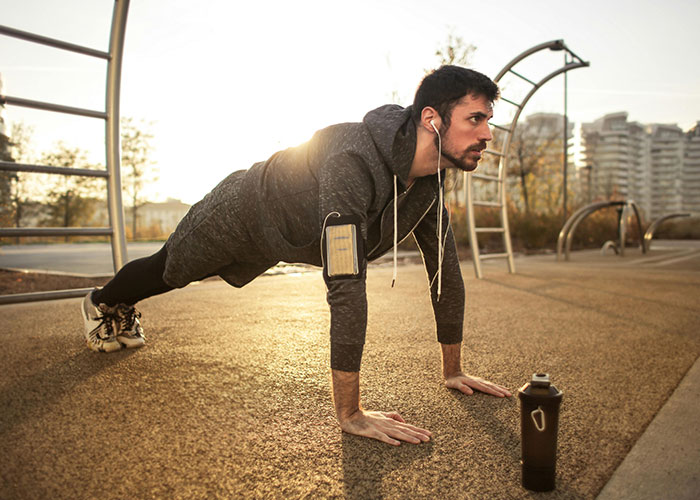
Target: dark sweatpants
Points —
{"points": [[137, 280]]}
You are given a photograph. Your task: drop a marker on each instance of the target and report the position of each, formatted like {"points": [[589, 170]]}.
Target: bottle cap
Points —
{"points": [[540, 380]]}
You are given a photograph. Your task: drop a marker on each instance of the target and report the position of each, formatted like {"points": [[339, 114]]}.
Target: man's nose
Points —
{"points": [[485, 132]]}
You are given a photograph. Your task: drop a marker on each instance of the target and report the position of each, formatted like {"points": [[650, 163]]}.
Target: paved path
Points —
{"points": [[230, 396], [81, 259]]}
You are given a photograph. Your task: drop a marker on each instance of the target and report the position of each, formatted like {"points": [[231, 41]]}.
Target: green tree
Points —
{"points": [[6, 181], [20, 152], [70, 200], [138, 169]]}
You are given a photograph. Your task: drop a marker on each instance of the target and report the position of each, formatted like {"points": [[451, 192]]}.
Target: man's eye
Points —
{"points": [[474, 119]]}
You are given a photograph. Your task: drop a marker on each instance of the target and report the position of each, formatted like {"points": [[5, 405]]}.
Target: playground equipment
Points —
{"points": [[500, 178], [649, 234], [566, 235], [112, 174]]}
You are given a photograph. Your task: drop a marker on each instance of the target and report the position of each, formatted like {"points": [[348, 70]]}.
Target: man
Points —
{"points": [[342, 199]]}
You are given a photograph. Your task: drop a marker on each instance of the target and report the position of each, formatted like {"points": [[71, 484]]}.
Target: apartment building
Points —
{"points": [[666, 146], [657, 166], [615, 151], [690, 175]]}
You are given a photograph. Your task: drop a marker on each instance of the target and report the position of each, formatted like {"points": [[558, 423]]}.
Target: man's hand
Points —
{"points": [[388, 427], [456, 379], [468, 384]]}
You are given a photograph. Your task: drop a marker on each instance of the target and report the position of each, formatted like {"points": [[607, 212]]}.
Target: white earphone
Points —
{"points": [[432, 124]]}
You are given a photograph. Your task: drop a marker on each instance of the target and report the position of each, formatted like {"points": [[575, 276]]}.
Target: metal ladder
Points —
{"points": [[116, 230], [502, 155]]}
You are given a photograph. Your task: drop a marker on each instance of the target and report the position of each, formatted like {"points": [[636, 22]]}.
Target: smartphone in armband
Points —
{"points": [[342, 249]]}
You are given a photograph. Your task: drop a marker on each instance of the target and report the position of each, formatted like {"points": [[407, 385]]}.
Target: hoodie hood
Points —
{"points": [[394, 135]]}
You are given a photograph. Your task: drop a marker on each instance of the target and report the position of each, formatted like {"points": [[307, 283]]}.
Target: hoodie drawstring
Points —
{"points": [[441, 243], [396, 231]]}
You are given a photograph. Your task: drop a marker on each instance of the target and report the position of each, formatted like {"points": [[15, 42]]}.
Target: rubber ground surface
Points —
{"points": [[230, 396]]}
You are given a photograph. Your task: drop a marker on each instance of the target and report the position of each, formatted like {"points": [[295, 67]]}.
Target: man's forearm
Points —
{"points": [[451, 359], [346, 393]]}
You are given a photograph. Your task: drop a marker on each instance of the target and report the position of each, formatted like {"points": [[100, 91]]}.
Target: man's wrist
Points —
{"points": [[451, 359], [346, 394]]}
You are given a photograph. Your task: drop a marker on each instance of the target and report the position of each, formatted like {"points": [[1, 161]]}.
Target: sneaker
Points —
{"points": [[129, 329], [100, 322]]}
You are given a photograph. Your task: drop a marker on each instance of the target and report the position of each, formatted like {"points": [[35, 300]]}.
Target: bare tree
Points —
{"points": [[454, 51], [137, 165], [535, 147]]}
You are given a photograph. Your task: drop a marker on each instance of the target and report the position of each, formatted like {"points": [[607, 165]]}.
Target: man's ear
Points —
{"points": [[428, 115]]}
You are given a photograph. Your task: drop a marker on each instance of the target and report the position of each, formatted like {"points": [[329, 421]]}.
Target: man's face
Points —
{"points": [[466, 137]]}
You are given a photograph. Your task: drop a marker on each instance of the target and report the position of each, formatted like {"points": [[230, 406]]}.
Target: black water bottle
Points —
{"points": [[539, 420]]}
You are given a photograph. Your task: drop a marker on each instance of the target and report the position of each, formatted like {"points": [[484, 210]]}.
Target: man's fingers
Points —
{"points": [[466, 389], [388, 427], [405, 432], [380, 436], [468, 385], [394, 415], [494, 389]]}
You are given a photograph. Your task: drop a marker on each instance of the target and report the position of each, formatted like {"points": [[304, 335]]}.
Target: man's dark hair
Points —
{"points": [[445, 86]]}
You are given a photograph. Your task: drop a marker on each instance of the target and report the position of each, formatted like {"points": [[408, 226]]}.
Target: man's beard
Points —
{"points": [[463, 162]]}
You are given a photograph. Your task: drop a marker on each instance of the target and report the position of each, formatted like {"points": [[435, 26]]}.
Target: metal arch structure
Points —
{"points": [[649, 234], [576, 62], [116, 230], [566, 235]]}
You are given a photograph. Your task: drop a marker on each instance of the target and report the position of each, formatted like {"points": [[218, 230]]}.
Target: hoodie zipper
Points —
{"points": [[381, 226]]}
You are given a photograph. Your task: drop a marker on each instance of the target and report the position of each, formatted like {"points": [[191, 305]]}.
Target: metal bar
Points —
{"points": [[622, 228], [486, 203], [473, 240], [52, 42], [17, 298], [649, 234], [488, 256], [9, 166], [553, 44], [577, 218], [489, 229], [521, 76], [114, 184], [642, 241], [571, 52], [501, 127], [566, 139], [504, 214], [573, 220], [511, 102], [47, 106], [485, 177], [12, 232]]}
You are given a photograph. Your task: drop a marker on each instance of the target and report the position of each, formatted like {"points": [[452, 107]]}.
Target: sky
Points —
{"points": [[224, 83]]}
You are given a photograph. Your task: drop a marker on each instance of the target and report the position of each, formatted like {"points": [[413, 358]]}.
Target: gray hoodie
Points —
{"points": [[275, 211]]}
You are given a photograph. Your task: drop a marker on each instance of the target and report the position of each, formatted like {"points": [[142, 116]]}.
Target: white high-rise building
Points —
{"points": [[691, 171], [666, 150], [616, 152], [657, 166]]}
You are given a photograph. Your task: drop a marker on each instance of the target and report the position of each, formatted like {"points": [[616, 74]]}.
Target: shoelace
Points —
{"points": [[106, 319], [127, 317]]}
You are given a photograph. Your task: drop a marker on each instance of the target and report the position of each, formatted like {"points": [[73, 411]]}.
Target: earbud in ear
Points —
{"points": [[432, 123]]}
